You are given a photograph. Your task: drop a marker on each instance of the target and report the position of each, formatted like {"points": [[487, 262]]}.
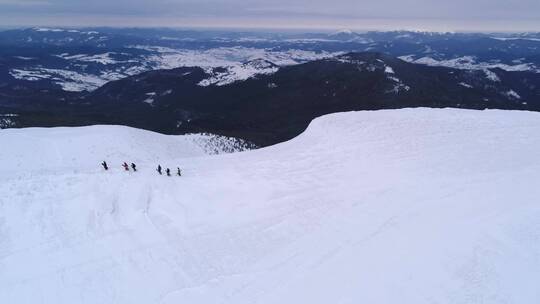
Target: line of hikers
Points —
{"points": [[168, 171], [134, 168]]}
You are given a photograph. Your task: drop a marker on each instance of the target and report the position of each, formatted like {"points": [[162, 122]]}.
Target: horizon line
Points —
{"points": [[233, 28]]}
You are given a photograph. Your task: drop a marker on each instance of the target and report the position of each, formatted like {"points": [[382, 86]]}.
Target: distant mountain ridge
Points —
{"points": [[267, 108], [82, 59]]}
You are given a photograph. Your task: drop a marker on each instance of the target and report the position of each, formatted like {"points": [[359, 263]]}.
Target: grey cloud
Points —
{"points": [[299, 11]]}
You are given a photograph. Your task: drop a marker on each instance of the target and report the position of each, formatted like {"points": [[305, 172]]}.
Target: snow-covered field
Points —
{"points": [[399, 206], [470, 63], [237, 61]]}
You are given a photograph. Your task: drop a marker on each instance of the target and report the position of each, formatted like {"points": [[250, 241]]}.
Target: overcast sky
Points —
{"points": [[451, 15]]}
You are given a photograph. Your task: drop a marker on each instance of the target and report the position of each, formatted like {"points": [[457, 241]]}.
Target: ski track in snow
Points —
{"points": [[398, 206]]}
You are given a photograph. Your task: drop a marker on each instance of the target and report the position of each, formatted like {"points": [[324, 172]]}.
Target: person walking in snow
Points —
{"points": [[168, 172], [159, 169], [134, 167], [126, 167], [179, 172], [104, 164]]}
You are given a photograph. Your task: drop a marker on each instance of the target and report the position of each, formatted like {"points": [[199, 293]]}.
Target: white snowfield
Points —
{"points": [[36, 151], [400, 206]]}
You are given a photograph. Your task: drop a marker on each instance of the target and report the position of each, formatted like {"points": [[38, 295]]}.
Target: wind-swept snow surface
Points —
{"points": [[400, 206]]}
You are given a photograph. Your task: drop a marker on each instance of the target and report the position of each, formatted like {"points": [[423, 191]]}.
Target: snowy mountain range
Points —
{"points": [[285, 194], [85, 59], [179, 81], [265, 104], [77, 75]]}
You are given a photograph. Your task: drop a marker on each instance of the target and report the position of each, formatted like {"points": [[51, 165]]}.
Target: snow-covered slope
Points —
{"points": [[34, 151], [401, 206]]}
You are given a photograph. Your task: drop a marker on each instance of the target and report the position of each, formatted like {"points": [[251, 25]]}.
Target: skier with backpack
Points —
{"points": [[168, 172], [159, 169], [104, 164], [134, 167]]}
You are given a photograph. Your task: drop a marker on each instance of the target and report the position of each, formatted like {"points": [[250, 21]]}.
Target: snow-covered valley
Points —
{"points": [[74, 76], [395, 206]]}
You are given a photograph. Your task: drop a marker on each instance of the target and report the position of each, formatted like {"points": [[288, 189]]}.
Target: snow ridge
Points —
{"points": [[399, 206]]}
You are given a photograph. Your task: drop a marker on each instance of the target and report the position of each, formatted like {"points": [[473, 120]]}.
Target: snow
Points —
{"points": [[407, 58], [516, 38], [399, 206], [69, 80], [6, 121], [310, 40], [389, 70], [43, 29], [27, 75], [24, 58], [513, 94], [491, 75], [78, 149], [398, 86], [169, 58], [60, 30], [343, 32], [463, 84], [239, 72], [167, 92], [469, 63], [150, 99], [235, 59], [104, 58], [401, 36], [350, 60]]}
